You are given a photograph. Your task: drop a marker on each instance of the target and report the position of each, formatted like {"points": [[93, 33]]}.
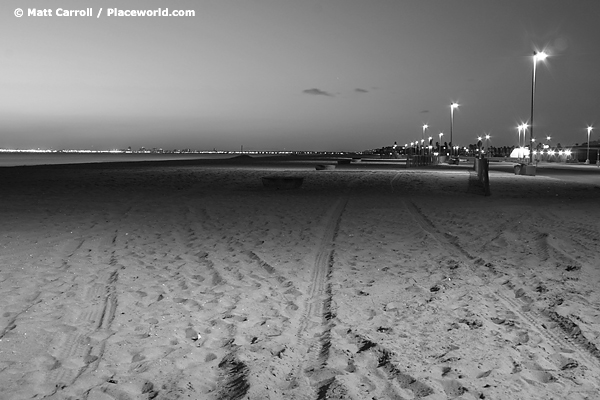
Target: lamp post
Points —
{"points": [[487, 146], [423, 136], [521, 128], [440, 144], [536, 57], [453, 105], [589, 129]]}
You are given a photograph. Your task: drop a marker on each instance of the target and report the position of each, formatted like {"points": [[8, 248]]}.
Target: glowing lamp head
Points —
{"points": [[541, 56], [425, 126], [487, 136], [454, 105], [589, 129]]}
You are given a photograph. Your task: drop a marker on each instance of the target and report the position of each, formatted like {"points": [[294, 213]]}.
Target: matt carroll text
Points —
{"points": [[59, 12], [110, 12]]}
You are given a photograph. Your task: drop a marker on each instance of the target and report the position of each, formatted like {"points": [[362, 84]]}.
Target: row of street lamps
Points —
{"points": [[425, 126], [537, 56], [453, 106]]}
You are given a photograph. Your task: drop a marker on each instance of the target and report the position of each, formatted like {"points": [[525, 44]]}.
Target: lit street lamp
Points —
{"points": [[589, 129], [440, 144], [521, 128], [536, 57], [453, 105], [423, 137]]}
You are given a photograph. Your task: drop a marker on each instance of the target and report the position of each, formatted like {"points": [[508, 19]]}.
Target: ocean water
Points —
{"points": [[18, 159]]}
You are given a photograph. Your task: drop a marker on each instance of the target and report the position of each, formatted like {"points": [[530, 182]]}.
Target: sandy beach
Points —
{"points": [[192, 280]]}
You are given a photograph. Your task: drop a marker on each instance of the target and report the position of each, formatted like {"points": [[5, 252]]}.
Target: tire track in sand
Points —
{"points": [[571, 340], [311, 377], [82, 349]]}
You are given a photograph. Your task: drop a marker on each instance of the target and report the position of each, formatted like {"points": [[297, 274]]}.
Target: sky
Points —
{"points": [[328, 75]]}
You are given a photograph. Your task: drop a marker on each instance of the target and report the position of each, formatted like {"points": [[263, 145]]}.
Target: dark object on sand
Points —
{"points": [[282, 182], [324, 167], [524, 169]]}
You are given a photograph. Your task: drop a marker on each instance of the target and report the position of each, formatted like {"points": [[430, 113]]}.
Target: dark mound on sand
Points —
{"points": [[242, 157]]}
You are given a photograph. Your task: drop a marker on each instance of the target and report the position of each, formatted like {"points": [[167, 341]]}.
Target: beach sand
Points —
{"points": [[192, 280]]}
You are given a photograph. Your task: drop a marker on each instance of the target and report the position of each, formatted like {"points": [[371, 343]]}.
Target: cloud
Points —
{"points": [[425, 112], [317, 92], [359, 90]]}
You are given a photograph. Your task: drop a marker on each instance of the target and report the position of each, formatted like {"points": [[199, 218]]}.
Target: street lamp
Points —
{"points": [[440, 143], [589, 129], [487, 146], [521, 128], [423, 137], [536, 57], [453, 105]]}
